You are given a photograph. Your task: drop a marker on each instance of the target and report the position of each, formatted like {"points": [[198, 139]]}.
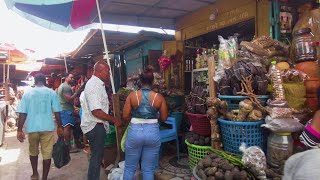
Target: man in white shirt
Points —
{"points": [[95, 118]]}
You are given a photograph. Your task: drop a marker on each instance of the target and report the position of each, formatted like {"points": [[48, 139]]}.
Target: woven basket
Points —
{"points": [[233, 101], [235, 133], [200, 123], [196, 153]]}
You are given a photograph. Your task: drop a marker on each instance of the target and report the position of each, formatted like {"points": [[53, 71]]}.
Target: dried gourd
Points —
{"points": [[223, 107], [255, 115], [245, 107], [212, 113], [212, 101], [232, 116]]}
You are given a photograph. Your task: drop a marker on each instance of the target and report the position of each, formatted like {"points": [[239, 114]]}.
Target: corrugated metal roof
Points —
{"points": [[148, 13], [93, 44]]}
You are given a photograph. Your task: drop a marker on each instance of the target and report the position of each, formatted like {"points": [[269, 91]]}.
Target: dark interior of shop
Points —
{"points": [[244, 30]]}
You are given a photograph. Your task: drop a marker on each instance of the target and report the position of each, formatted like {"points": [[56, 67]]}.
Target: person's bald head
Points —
{"points": [[101, 70]]}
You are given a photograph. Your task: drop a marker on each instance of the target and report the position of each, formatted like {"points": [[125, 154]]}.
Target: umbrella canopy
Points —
{"points": [[9, 54], [3, 55], [59, 15]]}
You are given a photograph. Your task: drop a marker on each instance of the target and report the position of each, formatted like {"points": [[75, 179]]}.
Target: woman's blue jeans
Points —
{"points": [[142, 143]]}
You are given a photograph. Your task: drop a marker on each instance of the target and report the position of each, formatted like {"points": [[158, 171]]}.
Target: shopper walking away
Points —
{"points": [[66, 97], [36, 107], [143, 139], [95, 119]]}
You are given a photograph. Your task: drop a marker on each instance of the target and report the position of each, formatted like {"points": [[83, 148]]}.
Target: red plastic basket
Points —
{"points": [[200, 123]]}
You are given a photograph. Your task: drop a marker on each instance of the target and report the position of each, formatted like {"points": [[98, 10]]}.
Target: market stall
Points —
{"points": [[264, 93], [240, 87]]}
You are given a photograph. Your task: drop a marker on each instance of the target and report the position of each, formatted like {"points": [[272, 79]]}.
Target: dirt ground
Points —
{"points": [[15, 164]]}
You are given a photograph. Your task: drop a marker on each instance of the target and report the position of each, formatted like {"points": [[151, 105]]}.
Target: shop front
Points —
{"points": [[247, 73]]}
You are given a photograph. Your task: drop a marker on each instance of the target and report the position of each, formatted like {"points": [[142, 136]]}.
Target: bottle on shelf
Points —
{"points": [[276, 81], [187, 65]]}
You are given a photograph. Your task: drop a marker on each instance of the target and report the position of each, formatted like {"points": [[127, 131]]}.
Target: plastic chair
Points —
{"points": [[171, 134]]}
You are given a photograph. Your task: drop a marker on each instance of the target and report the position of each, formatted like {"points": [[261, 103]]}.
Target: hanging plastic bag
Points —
{"points": [[289, 124], [224, 60], [61, 155], [255, 159], [123, 139]]}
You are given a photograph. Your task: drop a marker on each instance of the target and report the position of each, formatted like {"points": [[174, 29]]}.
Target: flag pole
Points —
{"points": [[115, 99], [105, 46], [65, 63]]}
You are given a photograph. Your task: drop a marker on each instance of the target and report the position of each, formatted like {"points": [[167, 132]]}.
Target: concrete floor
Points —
{"points": [[15, 164]]}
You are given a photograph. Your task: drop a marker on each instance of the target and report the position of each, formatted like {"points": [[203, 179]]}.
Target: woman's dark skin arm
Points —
{"points": [[163, 110], [126, 114]]}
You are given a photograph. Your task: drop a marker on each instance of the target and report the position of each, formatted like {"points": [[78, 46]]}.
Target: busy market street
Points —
{"points": [[160, 90]]}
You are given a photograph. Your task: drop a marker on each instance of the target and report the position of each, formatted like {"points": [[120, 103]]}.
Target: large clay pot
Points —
{"points": [[312, 86], [312, 103], [311, 68]]}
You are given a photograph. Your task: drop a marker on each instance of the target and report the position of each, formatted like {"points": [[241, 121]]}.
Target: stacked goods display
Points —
{"points": [[197, 139], [305, 55], [196, 111], [196, 100], [225, 166], [280, 119], [243, 124], [294, 88], [262, 50], [216, 108], [253, 60], [220, 166], [230, 83], [281, 123]]}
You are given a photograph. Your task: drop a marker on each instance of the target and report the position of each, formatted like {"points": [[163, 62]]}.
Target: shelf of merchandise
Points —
{"points": [[201, 69], [193, 47], [195, 71]]}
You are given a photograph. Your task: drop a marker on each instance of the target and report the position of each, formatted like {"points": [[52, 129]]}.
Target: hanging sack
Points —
{"points": [[61, 155]]}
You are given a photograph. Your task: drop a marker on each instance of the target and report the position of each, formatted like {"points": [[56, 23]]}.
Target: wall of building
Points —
{"points": [[221, 14], [137, 56]]}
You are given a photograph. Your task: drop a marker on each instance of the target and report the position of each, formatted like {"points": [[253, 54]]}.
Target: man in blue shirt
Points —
{"points": [[36, 107]]}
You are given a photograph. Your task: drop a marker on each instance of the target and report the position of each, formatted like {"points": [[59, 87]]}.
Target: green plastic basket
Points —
{"points": [[196, 153], [110, 138]]}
